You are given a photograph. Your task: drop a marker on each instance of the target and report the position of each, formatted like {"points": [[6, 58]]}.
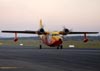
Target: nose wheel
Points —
{"points": [[60, 47], [57, 47]]}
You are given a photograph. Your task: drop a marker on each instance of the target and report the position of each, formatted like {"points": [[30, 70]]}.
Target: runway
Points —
{"points": [[30, 59]]}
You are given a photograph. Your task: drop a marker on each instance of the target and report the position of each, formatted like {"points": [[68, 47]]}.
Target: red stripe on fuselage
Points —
{"points": [[55, 41]]}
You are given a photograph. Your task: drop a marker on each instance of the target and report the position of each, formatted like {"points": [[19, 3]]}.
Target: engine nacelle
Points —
{"points": [[66, 30], [16, 39], [85, 40]]}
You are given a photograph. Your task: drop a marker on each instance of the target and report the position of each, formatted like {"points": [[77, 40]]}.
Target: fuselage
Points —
{"points": [[51, 40]]}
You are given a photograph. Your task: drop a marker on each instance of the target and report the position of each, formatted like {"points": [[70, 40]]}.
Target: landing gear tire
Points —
{"points": [[57, 47], [40, 46], [61, 47]]}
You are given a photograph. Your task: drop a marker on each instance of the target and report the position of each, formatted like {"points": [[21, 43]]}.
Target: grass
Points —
{"points": [[35, 43], [81, 44]]}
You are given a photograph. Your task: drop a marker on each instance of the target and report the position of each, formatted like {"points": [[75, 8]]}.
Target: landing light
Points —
{"points": [[71, 46]]}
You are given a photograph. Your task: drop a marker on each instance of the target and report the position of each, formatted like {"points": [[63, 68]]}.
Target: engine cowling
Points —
{"points": [[16, 39], [41, 31], [85, 40], [66, 30]]}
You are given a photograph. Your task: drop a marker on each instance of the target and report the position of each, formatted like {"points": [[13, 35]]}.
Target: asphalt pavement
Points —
{"points": [[34, 59]]}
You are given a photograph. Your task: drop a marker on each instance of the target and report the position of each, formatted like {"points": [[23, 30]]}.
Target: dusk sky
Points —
{"points": [[78, 15]]}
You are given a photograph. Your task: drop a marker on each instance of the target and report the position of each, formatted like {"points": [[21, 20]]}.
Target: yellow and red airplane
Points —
{"points": [[52, 39]]}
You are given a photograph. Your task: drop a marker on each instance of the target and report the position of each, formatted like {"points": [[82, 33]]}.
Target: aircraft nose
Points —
{"points": [[60, 40]]}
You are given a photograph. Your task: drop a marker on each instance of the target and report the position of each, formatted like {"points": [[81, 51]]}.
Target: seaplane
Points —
{"points": [[52, 39]]}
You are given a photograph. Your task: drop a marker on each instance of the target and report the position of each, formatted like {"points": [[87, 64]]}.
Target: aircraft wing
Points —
{"points": [[66, 33], [83, 32], [39, 33], [25, 32], [28, 32]]}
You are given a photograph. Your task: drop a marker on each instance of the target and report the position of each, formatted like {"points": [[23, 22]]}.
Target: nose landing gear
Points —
{"points": [[60, 47]]}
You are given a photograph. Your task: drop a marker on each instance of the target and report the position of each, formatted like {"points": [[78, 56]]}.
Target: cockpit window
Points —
{"points": [[54, 34]]}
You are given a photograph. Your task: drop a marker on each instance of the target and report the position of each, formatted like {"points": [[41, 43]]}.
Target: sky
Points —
{"points": [[77, 15]]}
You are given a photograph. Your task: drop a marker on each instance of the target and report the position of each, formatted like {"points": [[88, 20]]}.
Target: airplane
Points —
{"points": [[52, 39]]}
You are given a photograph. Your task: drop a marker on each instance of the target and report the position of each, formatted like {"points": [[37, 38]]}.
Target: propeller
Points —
{"points": [[41, 30], [66, 30]]}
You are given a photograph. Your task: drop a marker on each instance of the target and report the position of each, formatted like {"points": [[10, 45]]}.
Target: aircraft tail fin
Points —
{"points": [[41, 25]]}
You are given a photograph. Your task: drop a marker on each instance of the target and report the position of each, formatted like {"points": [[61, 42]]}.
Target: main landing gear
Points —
{"points": [[60, 47], [40, 46]]}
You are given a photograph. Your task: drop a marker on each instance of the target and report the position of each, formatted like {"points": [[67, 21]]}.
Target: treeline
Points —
{"points": [[78, 38], [82, 37]]}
